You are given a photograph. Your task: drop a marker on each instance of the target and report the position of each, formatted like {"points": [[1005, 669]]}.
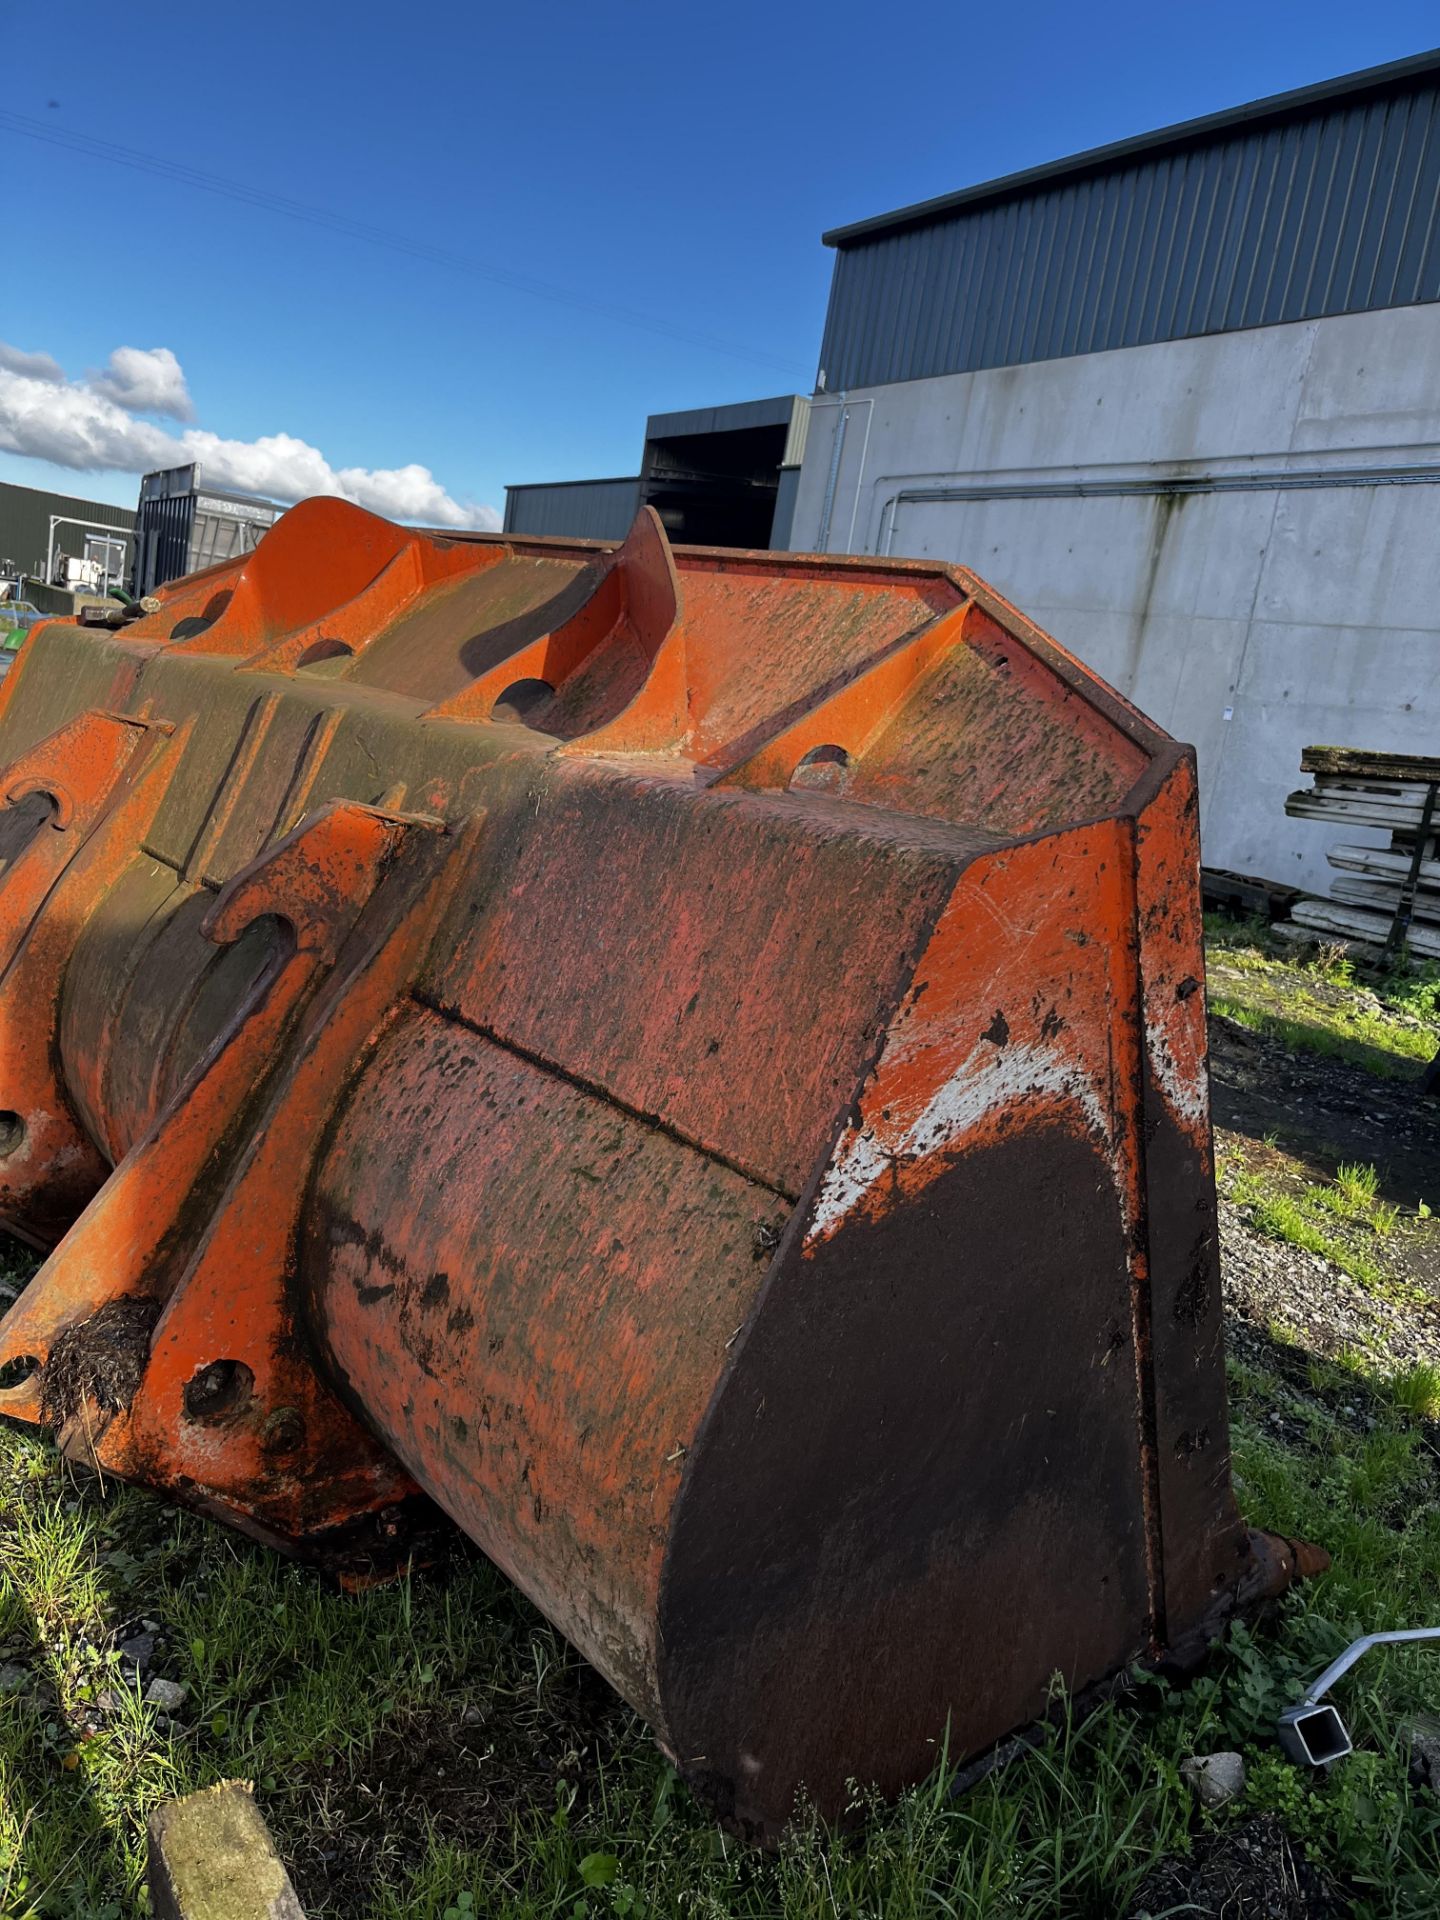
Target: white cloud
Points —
{"points": [[35, 366], [93, 426], [145, 380], [67, 423]]}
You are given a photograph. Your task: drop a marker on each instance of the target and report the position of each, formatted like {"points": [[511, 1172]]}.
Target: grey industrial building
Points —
{"points": [[181, 525], [25, 529], [717, 476], [1179, 398]]}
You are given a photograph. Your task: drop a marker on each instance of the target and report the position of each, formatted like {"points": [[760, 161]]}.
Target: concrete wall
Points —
{"points": [[1290, 600]]}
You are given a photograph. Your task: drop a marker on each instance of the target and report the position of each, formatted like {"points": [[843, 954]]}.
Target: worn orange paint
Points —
{"points": [[693, 1062]]}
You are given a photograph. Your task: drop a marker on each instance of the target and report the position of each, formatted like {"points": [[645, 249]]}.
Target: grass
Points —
{"points": [[1411, 989], [1353, 1197], [1418, 1391], [1363, 1039], [1314, 1000], [435, 1749], [325, 1701], [1414, 991], [1344, 1220]]}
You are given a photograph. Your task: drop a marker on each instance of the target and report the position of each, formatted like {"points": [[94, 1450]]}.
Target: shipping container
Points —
{"points": [[183, 525]]}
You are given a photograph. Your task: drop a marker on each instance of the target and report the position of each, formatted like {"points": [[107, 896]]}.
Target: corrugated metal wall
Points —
{"points": [[25, 522], [574, 509], [1332, 211]]}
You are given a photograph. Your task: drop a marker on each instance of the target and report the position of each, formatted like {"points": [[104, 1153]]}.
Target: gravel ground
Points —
{"points": [[1272, 1285], [1292, 1118]]}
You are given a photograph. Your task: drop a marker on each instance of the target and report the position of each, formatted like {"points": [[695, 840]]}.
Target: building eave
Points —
{"points": [[1184, 133]]}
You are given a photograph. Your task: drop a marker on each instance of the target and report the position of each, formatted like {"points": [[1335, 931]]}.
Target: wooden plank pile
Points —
{"points": [[1383, 896]]}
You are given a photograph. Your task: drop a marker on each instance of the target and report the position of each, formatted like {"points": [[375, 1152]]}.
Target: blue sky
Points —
{"points": [[675, 162]]}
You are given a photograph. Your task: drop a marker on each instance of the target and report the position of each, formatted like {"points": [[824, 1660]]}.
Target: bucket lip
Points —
{"points": [[941, 590], [961, 580]]}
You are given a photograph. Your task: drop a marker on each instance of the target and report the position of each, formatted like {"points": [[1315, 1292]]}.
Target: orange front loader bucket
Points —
{"points": [[693, 1062]]}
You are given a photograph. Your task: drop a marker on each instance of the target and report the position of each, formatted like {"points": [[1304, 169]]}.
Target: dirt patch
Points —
{"points": [[1324, 1110], [100, 1360], [461, 1772], [1254, 1872]]}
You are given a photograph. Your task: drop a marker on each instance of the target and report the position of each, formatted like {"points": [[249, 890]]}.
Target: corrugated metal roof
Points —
{"points": [[1348, 87], [1314, 203]]}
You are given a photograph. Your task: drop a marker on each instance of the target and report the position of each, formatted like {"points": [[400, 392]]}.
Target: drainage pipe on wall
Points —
{"points": [[1285, 480]]}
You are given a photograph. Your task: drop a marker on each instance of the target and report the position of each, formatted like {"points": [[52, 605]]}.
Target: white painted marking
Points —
{"points": [[1183, 1091], [989, 1079]]}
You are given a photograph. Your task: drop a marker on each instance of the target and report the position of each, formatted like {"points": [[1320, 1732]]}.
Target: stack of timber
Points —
{"points": [[1382, 896]]}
